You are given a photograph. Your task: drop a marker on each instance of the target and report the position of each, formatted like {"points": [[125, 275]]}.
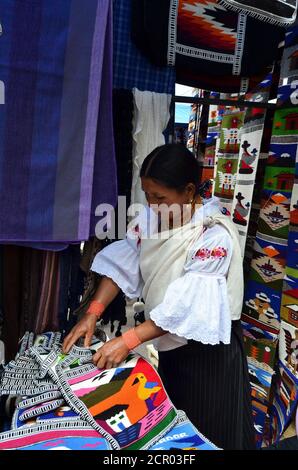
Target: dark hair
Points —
{"points": [[173, 166]]}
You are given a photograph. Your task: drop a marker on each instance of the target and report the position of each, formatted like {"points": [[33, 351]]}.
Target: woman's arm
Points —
{"points": [[106, 292], [115, 351]]}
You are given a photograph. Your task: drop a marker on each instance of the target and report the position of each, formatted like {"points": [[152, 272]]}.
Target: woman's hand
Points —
{"points": [[111, 354], [85, 327]]}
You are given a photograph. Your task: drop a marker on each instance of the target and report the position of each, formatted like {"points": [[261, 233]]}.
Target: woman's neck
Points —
{"points": [[185, 216]]}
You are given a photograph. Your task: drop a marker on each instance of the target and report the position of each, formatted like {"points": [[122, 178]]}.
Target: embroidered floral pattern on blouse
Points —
{"points": [[215, 253], [137, 233]]}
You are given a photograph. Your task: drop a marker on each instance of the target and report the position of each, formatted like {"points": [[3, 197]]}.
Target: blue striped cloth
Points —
{"points": [[56, 135]]}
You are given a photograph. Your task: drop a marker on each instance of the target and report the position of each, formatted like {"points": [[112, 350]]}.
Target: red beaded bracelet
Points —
{"points": [[131, 339], [96, 308]]}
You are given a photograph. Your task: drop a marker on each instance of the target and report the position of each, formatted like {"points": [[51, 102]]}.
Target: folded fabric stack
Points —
{"points": [[65, 402]]}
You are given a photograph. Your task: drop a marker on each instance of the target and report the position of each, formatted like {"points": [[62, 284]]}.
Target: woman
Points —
{"points": [[190, 276]]}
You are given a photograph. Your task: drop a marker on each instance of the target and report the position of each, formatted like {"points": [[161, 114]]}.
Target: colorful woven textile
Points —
{"points": [[77, 435], [66, 398], [183, 436], [250, 149], [126, 406], [54, 436], [228, 155], [203, 39], [129, 402], [279, 12], [270, 297], [56, 148]]}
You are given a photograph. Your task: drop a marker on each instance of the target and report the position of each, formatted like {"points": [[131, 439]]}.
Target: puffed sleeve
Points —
{"points": [[120, 261], [196, 305]]}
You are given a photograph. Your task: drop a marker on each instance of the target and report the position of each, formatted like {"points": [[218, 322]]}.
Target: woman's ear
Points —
{"points": [[190, 190]]}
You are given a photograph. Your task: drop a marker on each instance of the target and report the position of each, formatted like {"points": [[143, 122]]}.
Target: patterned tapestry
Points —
{"points": [[227, 158], [215, 116], [284, 158], [211, 47], [270, 291], [68, 403], [250, 150]]}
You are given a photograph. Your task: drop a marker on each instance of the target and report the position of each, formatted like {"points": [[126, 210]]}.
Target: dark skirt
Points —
{"points": [[211, 384]]}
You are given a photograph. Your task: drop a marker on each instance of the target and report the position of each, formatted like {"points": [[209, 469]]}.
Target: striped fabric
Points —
{"points": [[56, 139]]}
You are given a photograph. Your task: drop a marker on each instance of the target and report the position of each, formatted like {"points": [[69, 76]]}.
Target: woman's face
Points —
{"points": [[157, 194], [173, 207]]}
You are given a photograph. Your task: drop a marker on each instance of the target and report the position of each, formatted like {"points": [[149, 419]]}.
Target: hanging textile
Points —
{"points": [[30, 293], [193, 128], [131, 68], [278, 12], [257, 192], [284, 153], [71, 286], [56, 146], [263, 295], [41, 289], [151, 116], [250, 147], [213, 132], [196, 36], [228, 155], [47, 312]]}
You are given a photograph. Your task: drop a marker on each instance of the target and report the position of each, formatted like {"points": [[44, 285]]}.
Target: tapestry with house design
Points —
{"points": [[269, 297]]}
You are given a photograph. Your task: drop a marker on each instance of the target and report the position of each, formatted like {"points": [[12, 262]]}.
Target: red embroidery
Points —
{"points": [[215, 253], [137, 233]]}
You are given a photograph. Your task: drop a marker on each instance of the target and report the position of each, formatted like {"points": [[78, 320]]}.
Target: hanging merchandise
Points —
{"points": [[47, 311], [41, 289], [278, 12], [194, 124], [71, 286], [286, 131], [270, 291], [216, 113], [228, 155], [151, 116], [57, 155], [203, 39], [131, 68], [250, 147], [257, 193], [22, 274]]}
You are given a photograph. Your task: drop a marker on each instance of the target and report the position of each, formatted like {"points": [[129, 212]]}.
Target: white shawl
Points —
{"points": [[162, 262]]}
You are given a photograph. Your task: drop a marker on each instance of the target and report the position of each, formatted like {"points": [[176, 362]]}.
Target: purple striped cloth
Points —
{"points": [[57, 159]]}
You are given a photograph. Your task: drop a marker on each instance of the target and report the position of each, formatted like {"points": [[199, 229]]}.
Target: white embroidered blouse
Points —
{"points": [[196, 305]]}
